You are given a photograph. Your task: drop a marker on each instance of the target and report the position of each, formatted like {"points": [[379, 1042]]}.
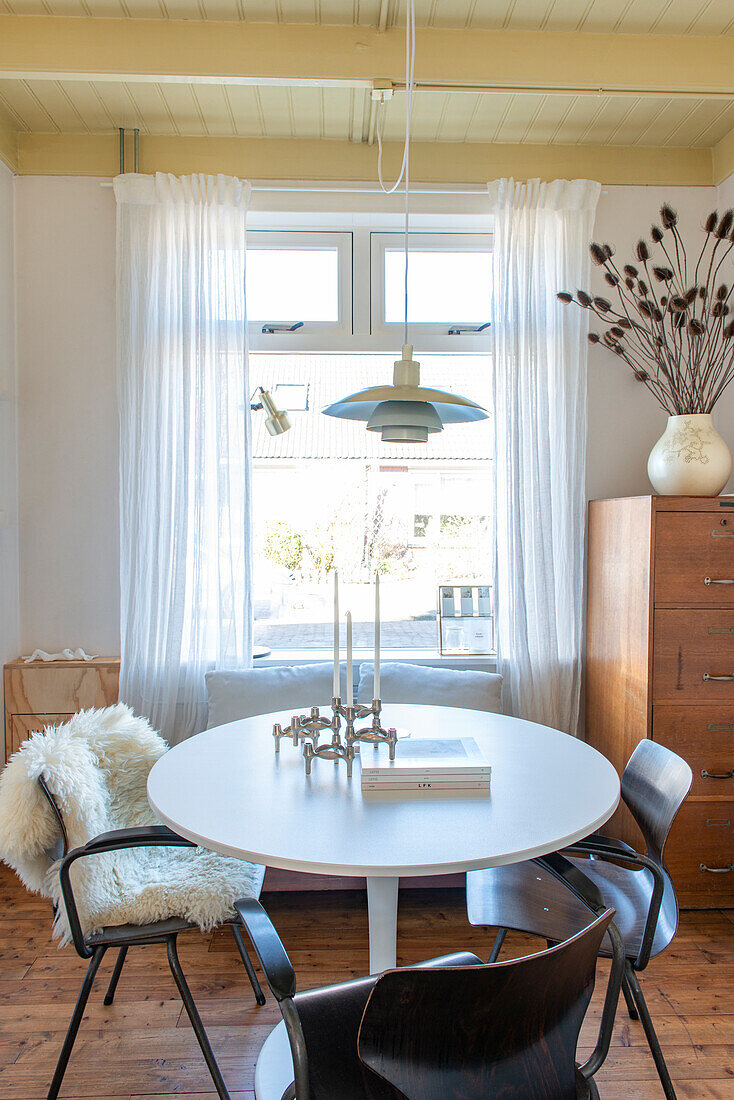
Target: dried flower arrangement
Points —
{"points": [[670, 326]]}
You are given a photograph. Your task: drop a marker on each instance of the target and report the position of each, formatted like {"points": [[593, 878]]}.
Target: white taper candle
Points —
{"points": [[376, 693], [336, 634], [349, 659]]}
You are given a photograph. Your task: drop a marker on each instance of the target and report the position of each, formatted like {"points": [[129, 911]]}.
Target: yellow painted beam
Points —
{"points": [[8, 142], [45, 47], [723, 156], [292, 159]]}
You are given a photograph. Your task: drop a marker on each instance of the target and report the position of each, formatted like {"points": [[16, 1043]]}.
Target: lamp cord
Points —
{"points": [[405, 165]]}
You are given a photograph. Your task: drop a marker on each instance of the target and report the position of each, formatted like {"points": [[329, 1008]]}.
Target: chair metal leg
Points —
{"points": [[497, 945], [629, 1000], [652, 1038], [110, 994], [237, 933], [195, 1018], [75, 1021]]}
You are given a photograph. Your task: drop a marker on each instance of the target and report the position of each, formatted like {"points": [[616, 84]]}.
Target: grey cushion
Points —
{"points": [[442, 687], [243, 693]]}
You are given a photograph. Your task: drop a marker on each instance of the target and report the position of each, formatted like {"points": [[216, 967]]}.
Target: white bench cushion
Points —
{"points": [[443, 687], [243, 693]]}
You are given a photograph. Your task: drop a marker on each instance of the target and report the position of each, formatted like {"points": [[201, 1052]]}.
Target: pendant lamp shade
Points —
{"points": [[406, 412]]}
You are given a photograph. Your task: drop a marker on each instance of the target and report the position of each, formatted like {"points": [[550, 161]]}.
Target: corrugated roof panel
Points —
{"points": [[328, 377]]}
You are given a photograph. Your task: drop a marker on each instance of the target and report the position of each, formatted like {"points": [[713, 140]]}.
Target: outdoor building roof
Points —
{"points": [[329, 377]]}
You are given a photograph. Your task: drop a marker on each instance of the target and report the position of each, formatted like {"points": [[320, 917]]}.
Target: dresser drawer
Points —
{"points": [[694, 551], [700, 852], [704, 737], [689, 645]]}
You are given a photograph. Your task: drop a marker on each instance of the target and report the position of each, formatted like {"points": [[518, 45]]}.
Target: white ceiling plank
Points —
{"points": [[452, 13], [184, 109], [547, 123], [85, 98], [565, 15], [521, 112], [221, 10], [487, 117], [306, 112], [336, 112], [276, 113], [719, 126], [457, 112], [214, 109], [246, 110], [54, 99], [490, 14], [27, 106]]}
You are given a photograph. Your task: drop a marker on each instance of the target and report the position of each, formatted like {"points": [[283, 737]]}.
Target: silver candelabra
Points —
{"points": [[307, 729]]}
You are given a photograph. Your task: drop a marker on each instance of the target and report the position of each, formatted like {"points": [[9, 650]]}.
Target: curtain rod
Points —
{"points": [[357, 188]]}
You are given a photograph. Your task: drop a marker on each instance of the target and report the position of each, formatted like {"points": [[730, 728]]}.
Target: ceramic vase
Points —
{"points": [[690, 458]]}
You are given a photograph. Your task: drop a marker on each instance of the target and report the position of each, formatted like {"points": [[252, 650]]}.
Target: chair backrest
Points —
{"points": [[654, 786], [245, 693], [506, 1029], [440, 687]]}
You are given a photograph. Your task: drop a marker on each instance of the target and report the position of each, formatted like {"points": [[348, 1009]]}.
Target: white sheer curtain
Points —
{"points": [[542, 232], [184, 442]]}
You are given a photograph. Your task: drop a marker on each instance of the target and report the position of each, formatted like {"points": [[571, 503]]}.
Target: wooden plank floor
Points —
{"points": [[142, 1047]]}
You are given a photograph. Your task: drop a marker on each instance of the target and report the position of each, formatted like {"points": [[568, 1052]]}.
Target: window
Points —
{"points": [[298, 285], [330, 494], [449, 283]]}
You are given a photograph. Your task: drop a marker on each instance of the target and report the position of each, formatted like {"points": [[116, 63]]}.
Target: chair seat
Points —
{"points": [[526, 898], [336, 1012], [116, 935]]}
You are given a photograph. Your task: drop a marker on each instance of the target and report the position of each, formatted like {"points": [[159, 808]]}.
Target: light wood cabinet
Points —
{"points": [[660, 664], [47, 693]]}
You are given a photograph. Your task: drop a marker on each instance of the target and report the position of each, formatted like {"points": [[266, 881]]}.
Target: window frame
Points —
{"points": [[431, 336], [313, 336]]}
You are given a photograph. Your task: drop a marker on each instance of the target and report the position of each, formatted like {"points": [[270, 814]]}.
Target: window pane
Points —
{"points": [[442, 286], [329, 494], [293, 284]]}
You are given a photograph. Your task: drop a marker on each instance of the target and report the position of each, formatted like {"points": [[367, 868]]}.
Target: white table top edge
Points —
{"points": [[382, 870]]}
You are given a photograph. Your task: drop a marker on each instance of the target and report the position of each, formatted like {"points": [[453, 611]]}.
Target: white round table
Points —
{"points": [[226, 790]]}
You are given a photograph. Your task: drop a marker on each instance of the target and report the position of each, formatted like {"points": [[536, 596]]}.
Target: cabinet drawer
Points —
{"points": [[704, 736], [689, 645], [23, 725], [702, 837], [693, 551]]}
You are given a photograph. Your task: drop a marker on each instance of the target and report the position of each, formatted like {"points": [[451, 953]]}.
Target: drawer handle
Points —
{"points": [[723, 679], [709, 580], [717, 775], [718, 822], [721, 630], [722, 534], [717, 870], [725, 727]]}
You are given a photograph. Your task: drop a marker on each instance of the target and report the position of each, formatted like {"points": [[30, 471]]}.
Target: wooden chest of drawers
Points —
{"points": [[660, 664], [47, 693]]}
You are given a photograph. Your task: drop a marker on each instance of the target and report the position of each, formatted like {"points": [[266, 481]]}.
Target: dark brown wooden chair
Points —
{"points": [[636, 885], [94, 946], [452, 1027]]}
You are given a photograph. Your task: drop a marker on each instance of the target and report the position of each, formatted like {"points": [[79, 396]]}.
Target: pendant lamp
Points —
{"points": [[405, 412]]}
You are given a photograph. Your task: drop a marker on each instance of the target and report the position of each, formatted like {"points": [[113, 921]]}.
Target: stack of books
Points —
{"points": [[450, 767]]}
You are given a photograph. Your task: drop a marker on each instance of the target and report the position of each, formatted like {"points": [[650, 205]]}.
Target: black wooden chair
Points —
{"points": [[94, 946], [452, 1027], [638, 886]]}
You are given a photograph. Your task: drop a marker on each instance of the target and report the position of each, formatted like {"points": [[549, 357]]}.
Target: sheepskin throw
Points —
{"points": [[96, 766]]}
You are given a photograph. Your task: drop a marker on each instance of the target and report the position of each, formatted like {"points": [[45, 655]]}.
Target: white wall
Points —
{"points": [[69, 586], [624, 418], [68, 417], [8, 437], [726, 193]]}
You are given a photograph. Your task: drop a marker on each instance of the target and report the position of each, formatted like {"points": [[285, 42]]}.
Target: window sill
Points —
{"points": [[481, 662]]}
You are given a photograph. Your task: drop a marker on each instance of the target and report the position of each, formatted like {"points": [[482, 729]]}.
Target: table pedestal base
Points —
{"points": [[274, 1069]]}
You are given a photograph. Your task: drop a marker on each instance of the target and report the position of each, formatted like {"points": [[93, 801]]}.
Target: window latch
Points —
{"points": [[456, 331], [269, 329]]}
